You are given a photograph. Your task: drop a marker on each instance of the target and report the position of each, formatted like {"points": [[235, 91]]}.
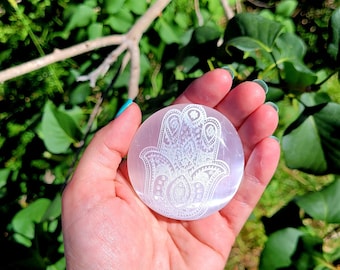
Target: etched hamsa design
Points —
{"points": [[182, 171]]}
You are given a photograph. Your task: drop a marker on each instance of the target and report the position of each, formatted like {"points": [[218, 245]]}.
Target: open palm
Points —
{"points": [[105, 224]]}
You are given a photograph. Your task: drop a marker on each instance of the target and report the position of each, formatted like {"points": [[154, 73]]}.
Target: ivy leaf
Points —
{"points": [[279, 248], [289, 47], [54, 209], [4, 174], [24, 221], [286, 8], [298, 76], [205, 34], [311, 143], [248, 27], [58, 129], [95, 30], [81, 16], [290, 50], [136, 6], [168, 33], [113, 7], [248, 44], [121, 22], [80, 93], [323, 205]]}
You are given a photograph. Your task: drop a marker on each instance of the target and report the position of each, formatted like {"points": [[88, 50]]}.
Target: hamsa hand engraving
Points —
{"points": [[183, 171]]}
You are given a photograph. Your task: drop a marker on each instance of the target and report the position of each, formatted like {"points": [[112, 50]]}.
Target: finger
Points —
{"points": [[241, 102], [97, 168], [259, 125], [105, 152], [259, 170], [207, 90]]}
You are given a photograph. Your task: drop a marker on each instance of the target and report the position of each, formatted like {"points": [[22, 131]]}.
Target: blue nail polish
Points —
{"points": [[276, 108], [229, 70], [124, 107], [262, 84], [275, 138]]}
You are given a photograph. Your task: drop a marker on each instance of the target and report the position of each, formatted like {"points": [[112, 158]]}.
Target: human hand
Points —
{"points": [[105, 224]]}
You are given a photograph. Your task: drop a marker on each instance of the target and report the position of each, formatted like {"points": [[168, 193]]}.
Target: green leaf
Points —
{"points": [[248, 44], [58, 129], [182, 19], [312, 143], [54, 209], [205, 34], [286, 8], [169, 33], [279, 248], [258, 29], [298, 76], [95, 30], [136, 6], [24, 221], [290, 47], [76, 113], [80, 93], [121, 22], [4, 173], [334, 35], [323, 205], [112, 7], [81, 16], [188, 63], [302, 147], [59, 265]]}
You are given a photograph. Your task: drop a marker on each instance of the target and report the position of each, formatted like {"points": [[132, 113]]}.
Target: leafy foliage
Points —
{"points": [[295, 247], [45, 115]]}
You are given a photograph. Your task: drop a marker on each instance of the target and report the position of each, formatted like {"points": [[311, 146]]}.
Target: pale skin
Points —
{"points": [[106, 226]]}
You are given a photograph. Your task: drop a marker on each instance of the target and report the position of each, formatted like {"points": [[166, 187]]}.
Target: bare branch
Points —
{"points": [[149, 16], [59, 55], [134, 71], [129, 41], [104, 67]]}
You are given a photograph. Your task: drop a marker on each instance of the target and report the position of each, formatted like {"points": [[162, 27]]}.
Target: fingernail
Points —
{"points": [[275, 138], [276, 108], [262, 84], [124, 107], [229, 70]]}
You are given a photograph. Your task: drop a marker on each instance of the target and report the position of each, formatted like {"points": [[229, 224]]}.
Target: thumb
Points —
{"points": [[102, 157]]}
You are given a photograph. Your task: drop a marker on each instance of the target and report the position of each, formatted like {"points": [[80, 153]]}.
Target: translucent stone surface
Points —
{"points": [[186, 161]]}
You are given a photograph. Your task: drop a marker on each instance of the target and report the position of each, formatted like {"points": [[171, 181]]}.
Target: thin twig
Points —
{"points": [[198, 13], [228, 11]]}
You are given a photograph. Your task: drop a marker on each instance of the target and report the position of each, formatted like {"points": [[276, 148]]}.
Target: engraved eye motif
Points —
{"points": [[191, 166]]}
